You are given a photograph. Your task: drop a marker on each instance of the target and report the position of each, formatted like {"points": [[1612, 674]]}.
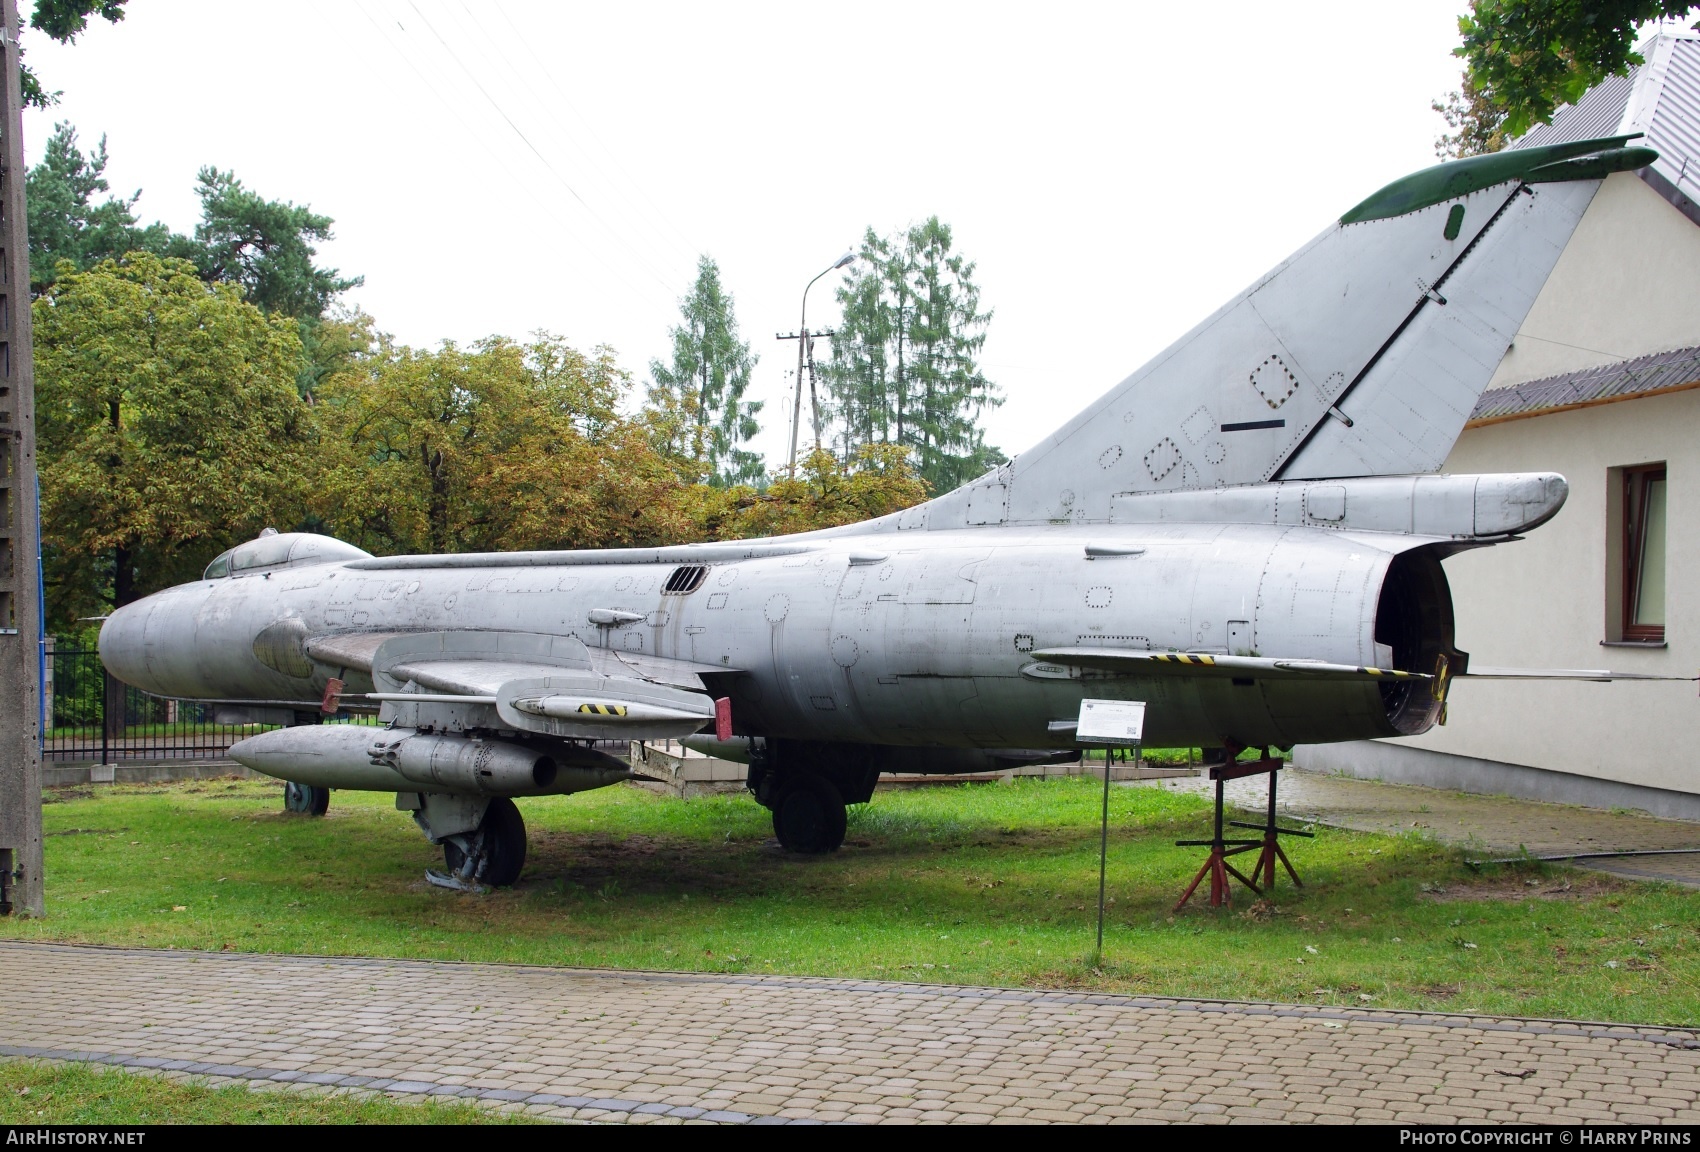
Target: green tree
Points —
{"points": [[951, 391], [706, 382], [867, 374], [508, 445], [876, 481], [904, 365], [64, 21], [66, 225], [337, 343], [169, 428], [499, 445], [1477, 124], [1528, 57], [266, 246]]}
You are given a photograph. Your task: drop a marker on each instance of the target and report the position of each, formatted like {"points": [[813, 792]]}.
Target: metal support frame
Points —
{"points": [[1216, 866], [21, 649]]}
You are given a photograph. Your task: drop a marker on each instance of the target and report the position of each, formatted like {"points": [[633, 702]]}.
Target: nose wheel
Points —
{"points": [[493, 855], [306, 799]]}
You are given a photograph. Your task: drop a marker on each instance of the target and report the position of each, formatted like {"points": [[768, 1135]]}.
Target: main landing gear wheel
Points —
{"points": [[306, 799], [808, 816], [492, 855]]}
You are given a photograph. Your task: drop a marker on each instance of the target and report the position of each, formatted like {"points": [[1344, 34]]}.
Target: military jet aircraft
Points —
{"points": [[1246, 533]]}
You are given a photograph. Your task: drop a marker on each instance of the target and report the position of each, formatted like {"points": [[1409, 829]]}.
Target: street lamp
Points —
{"points": [[802, 347]]}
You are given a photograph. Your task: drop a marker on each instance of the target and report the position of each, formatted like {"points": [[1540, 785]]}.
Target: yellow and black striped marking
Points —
{"points": [[602, 709], [1392, 674], [1183, 658]]}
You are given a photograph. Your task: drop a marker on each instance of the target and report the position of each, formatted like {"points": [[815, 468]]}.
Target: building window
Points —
{"points": [[1644, 553]]}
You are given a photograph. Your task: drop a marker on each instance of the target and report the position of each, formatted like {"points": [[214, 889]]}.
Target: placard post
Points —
{"points": [[1110, 724]]}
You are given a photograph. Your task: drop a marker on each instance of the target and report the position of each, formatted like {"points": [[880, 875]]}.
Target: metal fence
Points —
{"points": [[92, 718], [95, 719]]}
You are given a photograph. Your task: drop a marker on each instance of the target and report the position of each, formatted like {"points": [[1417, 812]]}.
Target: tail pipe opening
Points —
{"points": [[1414, 618]]}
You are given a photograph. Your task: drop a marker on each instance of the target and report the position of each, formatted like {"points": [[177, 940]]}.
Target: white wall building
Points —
{"points": [[1601, 384]]}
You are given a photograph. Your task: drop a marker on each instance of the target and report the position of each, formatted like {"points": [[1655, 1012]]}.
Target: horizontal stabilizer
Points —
{"points": [[1600, 675], [1129, 663]]}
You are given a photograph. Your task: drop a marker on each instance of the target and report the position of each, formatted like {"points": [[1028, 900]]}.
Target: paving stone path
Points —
{"points": [[660, 1047]]}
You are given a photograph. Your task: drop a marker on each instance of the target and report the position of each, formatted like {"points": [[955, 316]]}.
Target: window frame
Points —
{"points": [[1636, 481]]}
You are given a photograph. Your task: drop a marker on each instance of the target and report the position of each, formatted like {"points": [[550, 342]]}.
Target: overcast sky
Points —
{"points": [[1115, 170]]}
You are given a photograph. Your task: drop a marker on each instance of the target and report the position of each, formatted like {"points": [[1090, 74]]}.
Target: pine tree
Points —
{"points": [[863, 372], [903, 369], [66, 222], [706, 382], [947, 334]]}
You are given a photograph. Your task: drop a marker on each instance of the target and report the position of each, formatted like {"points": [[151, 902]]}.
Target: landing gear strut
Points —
{"points": [[493, 855], [306, 799], [806, 786]]}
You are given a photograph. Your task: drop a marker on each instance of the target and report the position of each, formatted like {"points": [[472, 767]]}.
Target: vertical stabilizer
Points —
{"points": [[1360, 355]]}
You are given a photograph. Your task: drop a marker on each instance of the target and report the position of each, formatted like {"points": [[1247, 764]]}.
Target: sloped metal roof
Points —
{"points": [[1660, 372], [1660, 98], [1674, 125], [1598, 113]]}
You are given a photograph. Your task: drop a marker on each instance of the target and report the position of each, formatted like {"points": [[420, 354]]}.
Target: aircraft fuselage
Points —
{"points": [[899, 639]]}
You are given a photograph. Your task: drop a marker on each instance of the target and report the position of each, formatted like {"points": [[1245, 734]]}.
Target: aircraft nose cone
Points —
{"points": [[153, 643], [123, 647]]}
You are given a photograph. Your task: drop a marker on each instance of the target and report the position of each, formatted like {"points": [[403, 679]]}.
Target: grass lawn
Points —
{"points": [[993, 884], [39, 1093]]}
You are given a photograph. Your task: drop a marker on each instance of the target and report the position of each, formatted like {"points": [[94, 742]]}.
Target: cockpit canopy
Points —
{"points": [[281, 550]]}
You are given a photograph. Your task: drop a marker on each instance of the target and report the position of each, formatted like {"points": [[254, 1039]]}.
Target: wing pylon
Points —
{"points": [[549, 685]]}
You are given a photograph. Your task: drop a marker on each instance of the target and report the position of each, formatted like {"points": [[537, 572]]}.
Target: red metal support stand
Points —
{"points": [[1216, 866], [1263, 872]]}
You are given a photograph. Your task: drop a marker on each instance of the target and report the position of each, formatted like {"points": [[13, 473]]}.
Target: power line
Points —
{"points": [[590, 130], [612, 165], [500, 111], [546, 211]]}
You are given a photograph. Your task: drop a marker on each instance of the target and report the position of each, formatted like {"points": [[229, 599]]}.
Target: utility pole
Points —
{"points": [[796, 393], [814, 397], [21, 647], [805, 357], [806, 350]]}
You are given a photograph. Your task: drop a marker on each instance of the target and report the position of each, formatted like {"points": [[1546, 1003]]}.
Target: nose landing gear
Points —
{"points": [[306, 799], [492, 855]]}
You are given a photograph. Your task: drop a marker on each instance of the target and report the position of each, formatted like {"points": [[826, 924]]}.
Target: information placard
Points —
{"points": [[1119, 722]]}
